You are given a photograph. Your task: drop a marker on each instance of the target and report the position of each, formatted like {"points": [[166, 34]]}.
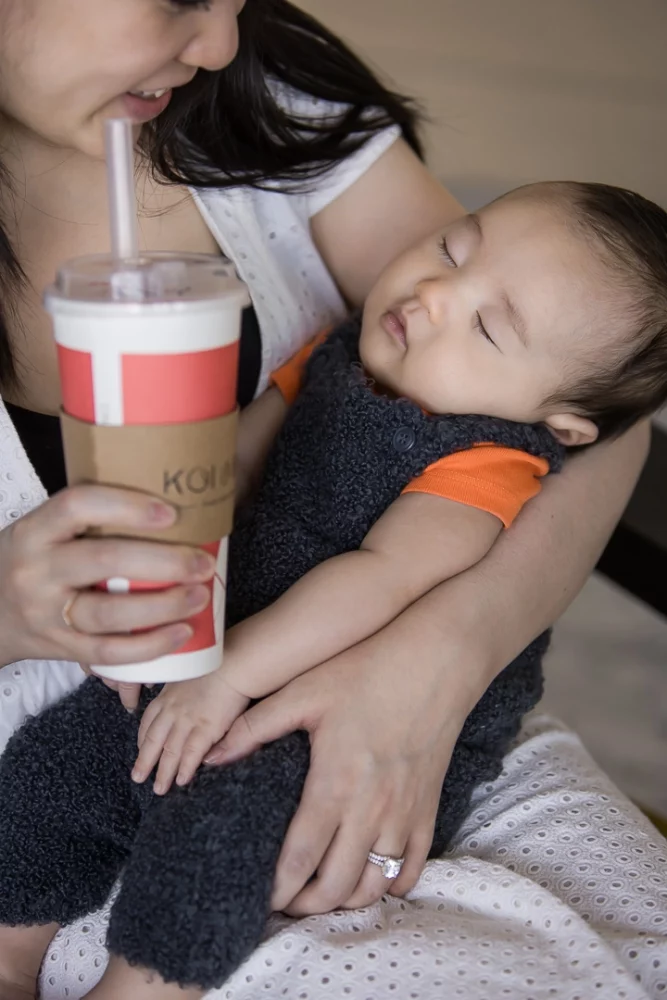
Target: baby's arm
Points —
{"points": [[259, 424], [414, 546], [419, 542]]}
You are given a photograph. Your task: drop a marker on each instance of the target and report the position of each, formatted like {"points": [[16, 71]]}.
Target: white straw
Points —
{"points": [[120, 180]]}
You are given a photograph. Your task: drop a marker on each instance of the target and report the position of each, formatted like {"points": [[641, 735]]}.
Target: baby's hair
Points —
{"points": [[631, 233]]}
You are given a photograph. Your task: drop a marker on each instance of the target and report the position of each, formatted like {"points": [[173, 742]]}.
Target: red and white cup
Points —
{"points": [[153, 342]]}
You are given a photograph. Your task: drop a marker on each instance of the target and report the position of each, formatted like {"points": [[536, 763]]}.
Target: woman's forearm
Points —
{"points": [[536, 569]]}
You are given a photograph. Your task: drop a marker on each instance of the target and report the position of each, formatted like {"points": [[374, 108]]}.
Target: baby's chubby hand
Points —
{"points": [[182, 724]]}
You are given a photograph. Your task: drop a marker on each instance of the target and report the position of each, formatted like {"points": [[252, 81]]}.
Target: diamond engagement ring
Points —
{"points": [[391, 867]]}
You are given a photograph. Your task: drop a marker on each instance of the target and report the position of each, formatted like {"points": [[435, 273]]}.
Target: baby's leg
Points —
{"points": [[196, 891], [68, 816], [21, 952], [124, 980]]}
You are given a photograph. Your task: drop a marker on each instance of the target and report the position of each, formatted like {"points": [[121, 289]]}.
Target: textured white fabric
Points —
{"points": [[556, 887]]}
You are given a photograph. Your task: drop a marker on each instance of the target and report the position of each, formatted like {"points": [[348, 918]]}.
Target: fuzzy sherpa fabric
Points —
{"points": [[197, 865]]}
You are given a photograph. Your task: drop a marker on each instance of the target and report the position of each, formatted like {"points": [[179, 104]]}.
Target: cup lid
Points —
{"points": [[151, 278]]}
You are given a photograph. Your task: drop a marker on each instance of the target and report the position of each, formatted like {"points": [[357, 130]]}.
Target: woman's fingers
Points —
{"points": [[372, 883], [417, 843], [129, 695], [87, 561], [74, 510], [310, 833], [97, 612], [368, 816], [416, 854], [338, 872], [268, 720], [117, 650]]}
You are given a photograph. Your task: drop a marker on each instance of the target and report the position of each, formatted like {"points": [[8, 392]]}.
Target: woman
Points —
{"points": [[244, 116]]}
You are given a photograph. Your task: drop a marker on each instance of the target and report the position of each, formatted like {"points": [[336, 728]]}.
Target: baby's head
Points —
{"points": [[548, 305]]}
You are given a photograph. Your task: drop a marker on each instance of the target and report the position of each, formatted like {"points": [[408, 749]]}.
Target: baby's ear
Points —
{"points": [[571, 430]]}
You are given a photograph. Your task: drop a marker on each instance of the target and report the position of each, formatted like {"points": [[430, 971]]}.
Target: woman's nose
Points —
{"points": [[216, 41], [432, 294]]}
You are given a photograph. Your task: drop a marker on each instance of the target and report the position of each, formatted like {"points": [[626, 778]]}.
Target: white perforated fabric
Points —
{"points": [[556, 887]]}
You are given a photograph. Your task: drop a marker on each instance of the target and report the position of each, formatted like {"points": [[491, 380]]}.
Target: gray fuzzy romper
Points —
{"points": [[196, 865]]}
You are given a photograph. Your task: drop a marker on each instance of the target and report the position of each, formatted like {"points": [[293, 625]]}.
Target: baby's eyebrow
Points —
{"points": [[516, 319], [472, 221]]}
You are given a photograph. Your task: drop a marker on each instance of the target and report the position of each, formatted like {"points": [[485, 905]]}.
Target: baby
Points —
{"points": [[533, 311], [545, 313]]}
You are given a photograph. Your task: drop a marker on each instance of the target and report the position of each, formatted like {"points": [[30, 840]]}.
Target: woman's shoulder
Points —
{"points": [[325, 188]]}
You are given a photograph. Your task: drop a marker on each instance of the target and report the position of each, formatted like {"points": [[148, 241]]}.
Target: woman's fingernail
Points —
{"points": [[197, 597], [138, 776], [160, 513], [180, 635], [203, 565]]}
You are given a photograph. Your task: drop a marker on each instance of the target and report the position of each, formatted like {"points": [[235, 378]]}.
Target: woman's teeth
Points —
{"points": [[149, 95]]}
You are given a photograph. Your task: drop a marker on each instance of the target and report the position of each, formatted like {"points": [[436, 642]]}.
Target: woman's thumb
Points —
{"points": [[264, 722]]}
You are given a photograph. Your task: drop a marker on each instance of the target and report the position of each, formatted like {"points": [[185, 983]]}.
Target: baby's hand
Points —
{"points": [[179, 728]]}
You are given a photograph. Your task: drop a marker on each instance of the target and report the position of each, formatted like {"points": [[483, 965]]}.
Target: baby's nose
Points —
{"points": [[433, 296]]}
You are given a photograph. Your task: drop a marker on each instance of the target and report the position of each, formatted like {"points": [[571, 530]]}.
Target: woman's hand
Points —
{"points": [[46, 568], [382, 730]]}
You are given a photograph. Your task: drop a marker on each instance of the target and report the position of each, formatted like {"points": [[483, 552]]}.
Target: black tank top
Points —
{"points": [[40, 433]]}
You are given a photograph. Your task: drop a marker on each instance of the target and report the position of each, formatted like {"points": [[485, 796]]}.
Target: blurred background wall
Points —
{"points": [[522, 90]]}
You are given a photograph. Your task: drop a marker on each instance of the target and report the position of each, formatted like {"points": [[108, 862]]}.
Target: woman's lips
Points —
{"points": [[143, 109], [393, 324]]}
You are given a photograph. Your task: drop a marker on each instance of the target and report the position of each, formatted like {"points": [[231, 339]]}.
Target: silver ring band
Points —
{"points": [[391, 867]]}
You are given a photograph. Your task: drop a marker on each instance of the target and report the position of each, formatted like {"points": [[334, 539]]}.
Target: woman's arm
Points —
{"points": [[393, 205], [535, 570]]}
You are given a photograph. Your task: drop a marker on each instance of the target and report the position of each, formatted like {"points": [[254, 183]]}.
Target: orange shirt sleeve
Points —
{"points": [[287, 378], [488, 476]]}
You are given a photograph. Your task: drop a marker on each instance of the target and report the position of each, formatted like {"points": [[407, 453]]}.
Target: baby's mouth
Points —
{"points": [[393, 323]]}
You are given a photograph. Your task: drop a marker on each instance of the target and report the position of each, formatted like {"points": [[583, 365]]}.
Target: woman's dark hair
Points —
{"points": [[229, 128]]}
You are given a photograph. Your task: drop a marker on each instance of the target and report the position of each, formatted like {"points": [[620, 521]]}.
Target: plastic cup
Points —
{"points": [[153, 343]]}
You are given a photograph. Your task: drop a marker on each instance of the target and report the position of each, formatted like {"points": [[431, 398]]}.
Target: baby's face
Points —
{"points": [[488, 316]]}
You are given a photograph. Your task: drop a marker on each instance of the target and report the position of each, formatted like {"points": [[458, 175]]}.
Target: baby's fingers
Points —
{"points": [[198, 744], [172, 754], [151, 742], [148, 718]]}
